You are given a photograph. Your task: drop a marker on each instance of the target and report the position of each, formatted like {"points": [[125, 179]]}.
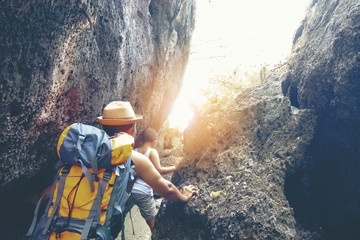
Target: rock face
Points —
{"points": [[283, 161], [63, 61], [325, 77], [240, 159]]}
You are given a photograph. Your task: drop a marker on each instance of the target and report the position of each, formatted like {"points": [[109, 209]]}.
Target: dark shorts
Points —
{"points": [[146, 204]]}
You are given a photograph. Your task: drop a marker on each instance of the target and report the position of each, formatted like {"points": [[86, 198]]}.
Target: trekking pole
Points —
{"points": [[132, 224]]}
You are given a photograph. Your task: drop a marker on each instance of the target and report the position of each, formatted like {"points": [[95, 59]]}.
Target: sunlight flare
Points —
{"points": [[233, 34]]}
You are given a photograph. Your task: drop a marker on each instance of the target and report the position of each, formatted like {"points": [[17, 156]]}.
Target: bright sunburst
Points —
{"points": [[233, 33]]}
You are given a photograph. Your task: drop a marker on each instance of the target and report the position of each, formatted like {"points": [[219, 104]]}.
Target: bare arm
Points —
{"points": [[147, 172], [154, 158]]}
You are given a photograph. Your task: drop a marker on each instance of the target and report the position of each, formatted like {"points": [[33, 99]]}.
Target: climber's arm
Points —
{"points": [[154, 158], [147, 172]]}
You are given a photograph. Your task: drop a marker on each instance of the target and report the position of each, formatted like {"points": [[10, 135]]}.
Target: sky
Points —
{"points": [[232, 34]]}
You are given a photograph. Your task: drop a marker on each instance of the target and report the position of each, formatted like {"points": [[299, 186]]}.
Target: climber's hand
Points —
{"points": [[189, 191]]}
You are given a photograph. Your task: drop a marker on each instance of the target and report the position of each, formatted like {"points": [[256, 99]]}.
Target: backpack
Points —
{"points": [[91, 188]]}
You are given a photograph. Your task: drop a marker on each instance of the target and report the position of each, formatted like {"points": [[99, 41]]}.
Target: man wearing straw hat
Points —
{"points": [[119, 116]]}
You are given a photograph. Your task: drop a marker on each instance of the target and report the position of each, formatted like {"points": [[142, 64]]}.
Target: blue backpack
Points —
{"points": [[88, 197]]}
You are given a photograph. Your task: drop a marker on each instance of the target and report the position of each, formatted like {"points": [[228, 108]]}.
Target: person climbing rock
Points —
{"points": [[142, 194], [119, 116]]}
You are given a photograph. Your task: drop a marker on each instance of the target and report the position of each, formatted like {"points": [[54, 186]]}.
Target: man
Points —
{"points": [[142, 194], [118, 116]]}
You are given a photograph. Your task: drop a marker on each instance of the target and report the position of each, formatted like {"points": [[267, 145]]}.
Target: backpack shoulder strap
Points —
{"points": [[132, 177], [45, 197], [64, 172], [34, 221], [122, 172], [94, 215]]}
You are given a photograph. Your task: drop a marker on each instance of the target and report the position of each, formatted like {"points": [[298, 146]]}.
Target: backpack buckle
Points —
{"points": [[66, 169], [95, 177]]}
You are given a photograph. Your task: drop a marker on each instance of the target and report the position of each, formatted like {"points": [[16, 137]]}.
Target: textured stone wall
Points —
{"points": [[283, 161], [63, 61], [325, 76], [239, 159]]}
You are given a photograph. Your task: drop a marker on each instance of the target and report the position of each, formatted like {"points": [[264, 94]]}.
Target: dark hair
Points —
{"points": [[112, 130], [149, 135]]}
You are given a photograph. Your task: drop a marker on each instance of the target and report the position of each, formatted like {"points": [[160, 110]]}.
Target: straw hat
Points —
{"points": [[118, 113]]}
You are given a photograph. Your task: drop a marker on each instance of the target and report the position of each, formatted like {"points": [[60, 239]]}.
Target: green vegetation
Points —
{"points": [[223, 89]]}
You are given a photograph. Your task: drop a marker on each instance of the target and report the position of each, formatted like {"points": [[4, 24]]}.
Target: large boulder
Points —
{"points": [[283, 161], [63, 61], [325, 77], [239, 159]]}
